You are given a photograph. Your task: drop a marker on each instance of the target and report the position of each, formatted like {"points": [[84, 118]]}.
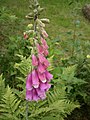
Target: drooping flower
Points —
{"points": [[37, 84], [44, 43], [38, 81], [35, 79], [35, 95], [29, 82], [40, 49], [25, 36], [45, 86], [32, 95], [46, 52], [46, 63], [34, 60], [41, 94], [42, 77], [29, 95], [41, 68], [44, 33], [49, 76], [41, 58]]}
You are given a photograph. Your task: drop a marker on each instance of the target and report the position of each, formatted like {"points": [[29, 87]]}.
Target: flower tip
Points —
{"points": [[35, 86]]}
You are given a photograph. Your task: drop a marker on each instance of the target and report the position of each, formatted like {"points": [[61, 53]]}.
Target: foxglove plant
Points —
{"points": [[38, 80]]}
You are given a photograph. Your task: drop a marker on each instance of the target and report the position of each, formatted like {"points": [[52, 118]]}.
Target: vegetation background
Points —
{"points": [[69, 41]]}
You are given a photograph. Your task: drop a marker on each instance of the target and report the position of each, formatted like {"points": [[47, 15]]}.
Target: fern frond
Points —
{"points": [[10, 105], [57, 105], [22, 79], [69, 72], [2, 86], [51, 67], [57, 94], [24, 66], [68, 76]]}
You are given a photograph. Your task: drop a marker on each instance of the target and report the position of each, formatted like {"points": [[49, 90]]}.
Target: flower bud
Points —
{"points": [[30, 25], [45, 20], [88, 56]]}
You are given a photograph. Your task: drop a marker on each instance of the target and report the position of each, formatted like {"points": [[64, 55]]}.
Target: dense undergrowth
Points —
{"points": [[69, 56]]}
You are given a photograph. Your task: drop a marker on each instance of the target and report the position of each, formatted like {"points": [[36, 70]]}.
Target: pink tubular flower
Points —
{"points": [[41, 68], [40, 49], [38, 81], [32, 95], [44, 43], [35, 87], [46, 63], [35, 95], [25, 36], [45, 86], [29, 95], [41, 94], [34, 60], [42, 77], [41, 58], [35, 79], [44, 33], [29, 82], [48, 76], [46, 52]]}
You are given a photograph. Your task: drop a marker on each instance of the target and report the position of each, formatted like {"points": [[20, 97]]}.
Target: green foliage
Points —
{"points": [[2, 86], [74, 85], [24, 66], [9, 104], [57, 102], [56, 106], [71, 68], [83, 72], [11, 43]]}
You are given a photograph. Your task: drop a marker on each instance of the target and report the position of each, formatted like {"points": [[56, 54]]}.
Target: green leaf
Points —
{"points": [[10, 105]]}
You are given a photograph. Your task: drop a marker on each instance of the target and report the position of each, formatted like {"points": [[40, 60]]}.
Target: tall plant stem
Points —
{"points": [[26, 110], [35, 17]]}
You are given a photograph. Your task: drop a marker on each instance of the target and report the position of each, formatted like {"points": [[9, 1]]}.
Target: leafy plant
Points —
{"points": [[9, 104], [56, 106], [2, 86]]}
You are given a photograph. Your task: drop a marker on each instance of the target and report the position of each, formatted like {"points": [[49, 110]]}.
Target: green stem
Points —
{"points": [[26, 110]]}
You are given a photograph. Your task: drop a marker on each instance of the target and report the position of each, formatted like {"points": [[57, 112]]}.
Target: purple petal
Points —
{"points": [[35, 79], [29, 95], [46, 63], [44, 86], [42, 77], [44, 33], [46, 52], [41, 68], [40, 49], [48, 76], [34, 60], [44, 43], [29, 82], [41, 58], [35, 95], [41, 94]]}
